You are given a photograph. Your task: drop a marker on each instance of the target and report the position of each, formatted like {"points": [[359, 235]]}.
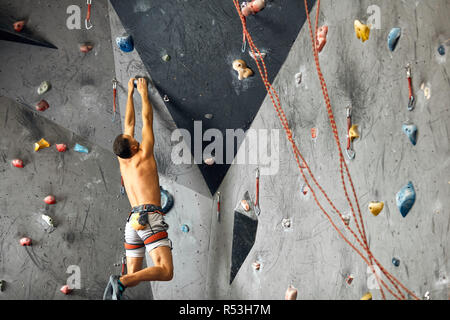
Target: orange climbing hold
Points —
{"points": [[41, 144], [241, 67], [65, 289], [253, 7]]}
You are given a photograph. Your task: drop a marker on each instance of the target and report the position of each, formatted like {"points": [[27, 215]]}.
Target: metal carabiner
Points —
{"points": [[411, 103], [87, 21]]}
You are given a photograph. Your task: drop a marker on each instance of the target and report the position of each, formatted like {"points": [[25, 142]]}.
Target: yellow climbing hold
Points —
{"points": [[362, 31], [41, 144], [353, 132], [367, 296], [376, 207]]}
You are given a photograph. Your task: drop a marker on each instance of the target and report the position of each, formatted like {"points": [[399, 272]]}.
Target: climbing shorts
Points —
{"points": [[145, 229]]}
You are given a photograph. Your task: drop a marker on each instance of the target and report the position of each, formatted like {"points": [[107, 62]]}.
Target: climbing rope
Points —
{"points": [[303, 164]]}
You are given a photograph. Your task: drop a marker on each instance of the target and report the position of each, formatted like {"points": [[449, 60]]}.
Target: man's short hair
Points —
{"points": [[122, 147]]}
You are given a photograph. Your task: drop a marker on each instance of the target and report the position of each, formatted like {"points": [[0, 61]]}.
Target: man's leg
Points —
{"points": [[161, 271], [134, 264]]}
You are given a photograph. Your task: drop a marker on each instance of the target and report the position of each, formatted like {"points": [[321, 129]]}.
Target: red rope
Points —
{"points": [[277, 105]]}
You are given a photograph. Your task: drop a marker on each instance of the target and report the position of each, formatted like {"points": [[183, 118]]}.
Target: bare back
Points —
{"points": [[140, 177]]}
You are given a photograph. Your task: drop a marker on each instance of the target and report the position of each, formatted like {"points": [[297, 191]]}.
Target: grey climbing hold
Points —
{"points": [[208, 116], [298, 78], [405, 199], [2, 285], [393, 37], [43, 87], [286, 223], [411, 131]]}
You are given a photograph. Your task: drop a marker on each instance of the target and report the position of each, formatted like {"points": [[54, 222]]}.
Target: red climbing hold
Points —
{"points": [[18, 25], [321, 38], [61, 147], [65, 289], [17, 163], [25, 241], [313, 133], [50, 200], [42, 105]]}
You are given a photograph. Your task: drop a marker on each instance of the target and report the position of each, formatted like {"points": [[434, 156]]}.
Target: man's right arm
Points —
{"points": [[147, 119]]}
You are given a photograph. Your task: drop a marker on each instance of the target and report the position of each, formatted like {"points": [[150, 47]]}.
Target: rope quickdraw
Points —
{"points": [[350, 152], [114, 84], [411, 95], [277, 105], [87, 21]]}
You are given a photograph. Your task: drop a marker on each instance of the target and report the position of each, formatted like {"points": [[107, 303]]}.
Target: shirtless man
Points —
{"points": [[145, 228]]}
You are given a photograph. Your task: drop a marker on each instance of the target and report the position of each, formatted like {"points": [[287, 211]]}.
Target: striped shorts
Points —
{"points": [[153, 236]]}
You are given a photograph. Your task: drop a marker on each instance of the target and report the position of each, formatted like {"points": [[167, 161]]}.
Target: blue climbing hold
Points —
{"points": [[411, 131], [395, 262], [166, 200], [441, 50], [125, 43], [80, 148], [393, 37], [184, 228], [406, 198]]}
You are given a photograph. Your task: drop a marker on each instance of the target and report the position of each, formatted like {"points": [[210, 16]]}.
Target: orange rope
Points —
{"points": [[277, 105]]}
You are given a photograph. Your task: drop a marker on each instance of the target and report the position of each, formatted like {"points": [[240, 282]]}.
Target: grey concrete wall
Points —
{"points": [[311, 255]]}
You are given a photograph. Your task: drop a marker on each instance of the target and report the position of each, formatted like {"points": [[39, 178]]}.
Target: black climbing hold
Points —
{"points": [[395, 262], [441, 50], [166, 200]]}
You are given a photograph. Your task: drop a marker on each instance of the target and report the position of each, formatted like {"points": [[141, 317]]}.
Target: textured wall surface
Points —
{"points": [[310, 255]]}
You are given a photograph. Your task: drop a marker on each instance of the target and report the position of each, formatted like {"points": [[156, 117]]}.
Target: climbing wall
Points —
{"points": [[310, 255], [291, 243]]}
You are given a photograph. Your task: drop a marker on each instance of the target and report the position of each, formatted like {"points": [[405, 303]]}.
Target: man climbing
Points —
{"points": [[145, 228]]}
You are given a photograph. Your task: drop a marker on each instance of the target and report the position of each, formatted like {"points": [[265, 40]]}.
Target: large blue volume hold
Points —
{"points": [[125, 43], [406, 198]]}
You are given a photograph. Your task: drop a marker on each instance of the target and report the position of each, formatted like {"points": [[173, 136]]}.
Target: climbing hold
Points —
{"points": [[61, 147], [395, 262], [166, 200], [80, 148], [321, 38], [256, 265], [245, 205], [376, 207], [184, 228], [208, 116], [25, 241], [42, 105], [252, 7], [43, 87], [393, 37], [353, 132], [166, 98], [41, 144], [17, 163], [362, 31], [346, 218], [241, 67], [291, 293], [48, 219], [304, 189], [314, 133], [411, 131], [286, 223], [50, 199], [441, 50], [18, 25], [65, 289], [367, 296], [86, 47], [125, 43], [2, 285], [405, 199], [298, 78], [426, 296], [349, 279], [166, 58], [210, 161]]}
